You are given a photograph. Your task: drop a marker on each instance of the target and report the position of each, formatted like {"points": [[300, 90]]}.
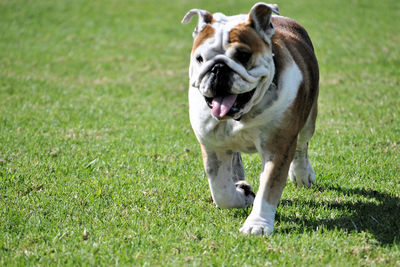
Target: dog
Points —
{"points": [[253, 88]]}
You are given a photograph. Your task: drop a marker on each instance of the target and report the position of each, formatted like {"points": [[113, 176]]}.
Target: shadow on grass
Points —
{"points": [[380, 216]]}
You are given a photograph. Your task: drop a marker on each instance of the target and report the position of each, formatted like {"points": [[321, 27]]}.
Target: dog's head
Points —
{"points": [[231, 61]]}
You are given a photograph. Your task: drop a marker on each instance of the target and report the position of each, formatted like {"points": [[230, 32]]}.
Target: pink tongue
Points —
{"points": [[222, 104]]}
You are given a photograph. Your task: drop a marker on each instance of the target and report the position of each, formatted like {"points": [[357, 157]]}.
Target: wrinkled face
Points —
{"points": [[231, 63]]}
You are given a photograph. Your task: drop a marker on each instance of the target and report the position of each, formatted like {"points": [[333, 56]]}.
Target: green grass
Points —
{"points": [[95, 136]]}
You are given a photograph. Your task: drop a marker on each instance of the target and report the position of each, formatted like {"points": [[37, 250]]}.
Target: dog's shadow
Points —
{"points": [[378, 214]]}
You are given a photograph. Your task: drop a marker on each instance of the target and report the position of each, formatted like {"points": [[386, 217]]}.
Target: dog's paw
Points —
{"points": [[257, 226], [261, 219], [302, 173], [244, 188]]}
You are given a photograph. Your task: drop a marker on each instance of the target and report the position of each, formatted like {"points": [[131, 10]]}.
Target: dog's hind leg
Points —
{"points": [[237, 167], [226, 179], [301, 172]]}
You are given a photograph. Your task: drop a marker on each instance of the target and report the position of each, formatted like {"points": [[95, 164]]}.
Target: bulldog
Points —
{"points": [[253, 88]]}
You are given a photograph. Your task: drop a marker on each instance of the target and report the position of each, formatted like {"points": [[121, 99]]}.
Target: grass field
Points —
{"points": [[99, 165]]}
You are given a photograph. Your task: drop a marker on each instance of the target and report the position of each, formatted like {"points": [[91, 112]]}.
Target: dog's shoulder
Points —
{"points": [[291, 42], [291, 32]]}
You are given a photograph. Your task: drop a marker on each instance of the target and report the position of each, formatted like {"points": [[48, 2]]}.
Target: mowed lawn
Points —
{"points": [[99, 165]]}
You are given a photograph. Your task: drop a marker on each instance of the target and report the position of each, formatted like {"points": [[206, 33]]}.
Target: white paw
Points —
{"points": [[302, 173], [261, 219], [257, 226]]}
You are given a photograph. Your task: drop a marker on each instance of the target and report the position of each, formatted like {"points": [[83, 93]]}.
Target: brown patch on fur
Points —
{"points": [[313, 117], [206, 33], [245, 34], [203, 154], [262, 12]]}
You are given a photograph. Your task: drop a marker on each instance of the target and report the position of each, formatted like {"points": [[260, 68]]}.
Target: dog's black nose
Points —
{"points": [[220, 79]]}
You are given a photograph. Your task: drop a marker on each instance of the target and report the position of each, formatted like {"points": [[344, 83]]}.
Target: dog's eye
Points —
{"points": [[199, 59], [243, 56]]}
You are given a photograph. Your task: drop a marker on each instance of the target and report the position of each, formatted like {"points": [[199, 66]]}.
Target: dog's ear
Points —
{"points": [[260, 19], [205, 18]]}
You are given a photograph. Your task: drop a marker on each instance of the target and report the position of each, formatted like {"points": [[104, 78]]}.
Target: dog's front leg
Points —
{"points": [[272, 181], [221, 171]]}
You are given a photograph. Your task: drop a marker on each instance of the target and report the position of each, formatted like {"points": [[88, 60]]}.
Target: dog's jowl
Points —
{"points": [[253, 88]]}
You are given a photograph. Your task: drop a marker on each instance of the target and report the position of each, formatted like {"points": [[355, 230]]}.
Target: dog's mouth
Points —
{"points": [[228, 104]]}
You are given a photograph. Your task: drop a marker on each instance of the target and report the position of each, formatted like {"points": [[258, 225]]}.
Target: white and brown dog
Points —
{"points": [[253, 88]]}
